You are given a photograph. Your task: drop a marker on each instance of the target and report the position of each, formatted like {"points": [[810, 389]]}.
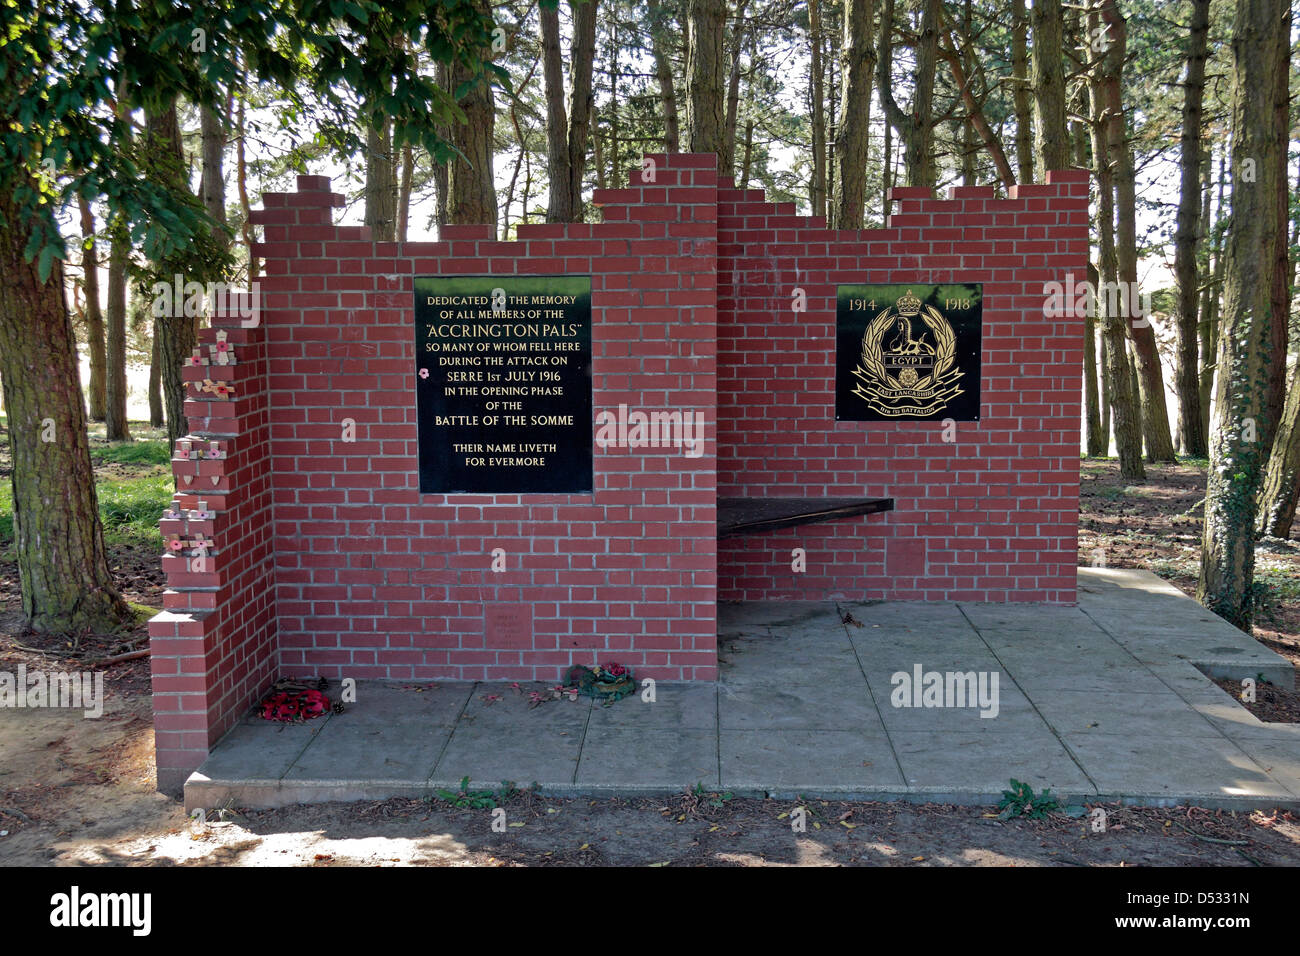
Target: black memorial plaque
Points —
{"points": [[908, 352], [503, 387]]}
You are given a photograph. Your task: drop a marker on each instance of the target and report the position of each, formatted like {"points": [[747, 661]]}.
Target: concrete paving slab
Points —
{"points": [[790, 761], [1277, 754], [932, 651], [634, 759], [939, 760], [261, 750], [913, 615], [847, 705], [1022, 617], [1037, 679], [1139, 715], [677, 706], [1173, 769], [1014, 714], [775, 613], [507, 740], [1108, 692], [391, 734]]}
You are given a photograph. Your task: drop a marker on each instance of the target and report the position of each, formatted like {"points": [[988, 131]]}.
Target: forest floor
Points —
{"points": [[80, 791]]}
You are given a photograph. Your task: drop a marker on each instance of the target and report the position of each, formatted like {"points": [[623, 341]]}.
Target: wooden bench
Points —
{"points": [[756, 515]]}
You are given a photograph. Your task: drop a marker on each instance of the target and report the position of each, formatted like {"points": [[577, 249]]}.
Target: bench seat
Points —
{"points": [[756, 515]]}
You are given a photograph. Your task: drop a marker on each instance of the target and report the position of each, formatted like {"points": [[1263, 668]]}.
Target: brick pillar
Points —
{"points": [[213, 645]]}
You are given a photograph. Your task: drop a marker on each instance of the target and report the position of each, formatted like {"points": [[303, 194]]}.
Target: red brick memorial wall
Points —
{"points": [[300, 543], [984, 510]]}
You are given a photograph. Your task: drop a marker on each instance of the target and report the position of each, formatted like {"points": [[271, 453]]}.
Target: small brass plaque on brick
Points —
{"points": [[507, 626]]}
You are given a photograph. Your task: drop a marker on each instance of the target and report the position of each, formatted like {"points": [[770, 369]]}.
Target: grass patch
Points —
{"points": [[6, 515], [129, 509], [148, 452], [132, 508]]}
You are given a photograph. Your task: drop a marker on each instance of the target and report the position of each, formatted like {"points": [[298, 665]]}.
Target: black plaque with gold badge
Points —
{"points": [[907, 352]]}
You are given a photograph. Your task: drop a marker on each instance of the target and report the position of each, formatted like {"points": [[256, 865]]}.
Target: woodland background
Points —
{"points": [[134, 138]]}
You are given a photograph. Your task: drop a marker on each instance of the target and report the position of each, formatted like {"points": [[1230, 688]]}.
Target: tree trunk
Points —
{"points": [[582, 59], [472, 194], [920, 150], [212, 183], [567, 131], [156, 418], [441, 171], [975, 122], [915, 127], [1277, 499], [1021, 94], [1096, 439], [1106, 376], [381, 183], [817, 95], [659, 39], [58, 540], [1051, 139], [1226, 584], [95, 344], [704, 71], [1125, 414], [1191, 428], [748, 155], [858, 60], [115, 423], [404, 191], [176, 334], [727, 159], [559, 206], [1281, 279], [1214, 290], [1155, 413], [241, 183]]}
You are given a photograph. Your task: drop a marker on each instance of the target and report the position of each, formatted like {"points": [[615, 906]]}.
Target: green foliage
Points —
{"points": [[1021, 801], [74, 74], [467, 799], [711, 798]]}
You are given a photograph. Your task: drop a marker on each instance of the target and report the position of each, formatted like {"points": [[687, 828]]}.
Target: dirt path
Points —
{"points": [[80, 792]]}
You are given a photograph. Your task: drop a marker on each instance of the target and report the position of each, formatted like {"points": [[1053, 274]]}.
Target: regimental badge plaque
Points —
{"points": [[907, 351]]}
